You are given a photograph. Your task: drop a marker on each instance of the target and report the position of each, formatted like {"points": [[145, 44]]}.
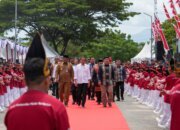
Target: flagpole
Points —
{"points": [[15, 49], [151, 17]]}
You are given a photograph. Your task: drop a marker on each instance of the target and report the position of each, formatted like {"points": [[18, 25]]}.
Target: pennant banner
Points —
{"points": [[160, 31]]}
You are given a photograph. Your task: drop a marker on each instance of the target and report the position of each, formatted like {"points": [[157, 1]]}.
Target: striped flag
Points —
{"points": [[155, 31], [177, 31], [166, 12], [160, 31], [176, 17], [178, 2]]}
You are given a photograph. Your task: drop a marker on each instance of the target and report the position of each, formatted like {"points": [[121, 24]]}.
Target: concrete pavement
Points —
{"points": [[138, 116]]}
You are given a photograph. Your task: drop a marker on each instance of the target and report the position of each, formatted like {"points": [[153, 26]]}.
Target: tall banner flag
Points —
{"points": [[177, 31], [174, 12], [178, 3], [166, 12], [155, 32], [169, 18], [163, 38]]}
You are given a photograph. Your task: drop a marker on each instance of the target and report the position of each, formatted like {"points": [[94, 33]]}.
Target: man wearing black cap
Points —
{"points": [[36, 110], [65, 76]]}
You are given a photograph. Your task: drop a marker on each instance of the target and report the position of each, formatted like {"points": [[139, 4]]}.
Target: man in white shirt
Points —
{"points": [[55, 83], [74, 87], [82, 80]]}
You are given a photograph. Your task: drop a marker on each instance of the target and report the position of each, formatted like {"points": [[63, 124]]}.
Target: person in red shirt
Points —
{"points": [[36, 110]]}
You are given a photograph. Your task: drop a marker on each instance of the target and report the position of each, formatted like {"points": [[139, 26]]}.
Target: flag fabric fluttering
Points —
{"points": [[160, 31], [177, 31], [178, 3], [174, 12], [155, 31], [166, 12]]}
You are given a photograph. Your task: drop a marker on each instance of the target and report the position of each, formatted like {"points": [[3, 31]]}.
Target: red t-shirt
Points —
{"points": [[170, 81], [175, 108], [36, 110]]}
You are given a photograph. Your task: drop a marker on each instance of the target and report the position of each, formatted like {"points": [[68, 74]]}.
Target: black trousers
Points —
{"points": [[81, 98], [74, 93], [98, 95], [55, 90], [91, 91], [119, 86]]}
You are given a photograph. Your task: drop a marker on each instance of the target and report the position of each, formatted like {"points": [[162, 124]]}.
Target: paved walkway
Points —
{"points": [[2, 127], [138, 116]]}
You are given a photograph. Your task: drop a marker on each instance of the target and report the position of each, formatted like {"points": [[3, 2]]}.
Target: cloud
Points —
{"points": [[142, 22]]}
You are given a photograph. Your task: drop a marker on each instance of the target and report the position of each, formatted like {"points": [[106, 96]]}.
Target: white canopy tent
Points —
{"points": [[145, 53], [7, 48]]}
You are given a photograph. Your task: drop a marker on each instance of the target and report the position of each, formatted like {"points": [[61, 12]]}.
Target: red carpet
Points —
{"points": [[95, 117]]}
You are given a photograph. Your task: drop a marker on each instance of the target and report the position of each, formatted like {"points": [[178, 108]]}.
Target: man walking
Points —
{"points": [[74, 87], [106, 77], [55, 89], [120, 77], [91, 89], [82, 80], [65, 76]]}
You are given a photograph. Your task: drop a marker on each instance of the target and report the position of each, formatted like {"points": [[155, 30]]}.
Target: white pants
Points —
{"points": [[16, 93], [10, 94], [23, 90], [166, 114], [2, 101]]}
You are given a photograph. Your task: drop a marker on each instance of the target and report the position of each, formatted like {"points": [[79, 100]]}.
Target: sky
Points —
{"points": [[140, 23]]}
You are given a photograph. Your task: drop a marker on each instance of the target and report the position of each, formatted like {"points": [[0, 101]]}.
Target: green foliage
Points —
{"points": [[169, 32], [64, 21], [115, 44]]}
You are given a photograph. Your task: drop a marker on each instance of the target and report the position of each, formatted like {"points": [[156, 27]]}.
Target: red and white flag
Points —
{"points": [[177, 31], [166, 12], [160, 31], [178, 3], [155, 32], [174, 12]]}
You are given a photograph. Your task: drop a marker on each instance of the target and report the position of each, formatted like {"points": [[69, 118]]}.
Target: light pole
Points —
{"points": [[151, 17], [15, 50]]}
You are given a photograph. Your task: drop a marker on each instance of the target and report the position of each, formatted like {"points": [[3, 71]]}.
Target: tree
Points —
{"points": [[169, 31], [115, 44], [64, 21]]}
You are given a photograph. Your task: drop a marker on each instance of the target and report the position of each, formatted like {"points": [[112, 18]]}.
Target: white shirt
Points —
{"points": [[82, 73], [54, 71]]}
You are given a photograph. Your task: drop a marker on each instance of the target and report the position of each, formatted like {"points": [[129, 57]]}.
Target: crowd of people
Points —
{"points": [[156, 86], [103, 81], [12, 84], [83, 78]]}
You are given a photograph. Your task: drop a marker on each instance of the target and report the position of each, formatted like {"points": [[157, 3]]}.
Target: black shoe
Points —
{"points": [[92, 99], [83, 106], [66, 104], [79, 103], [99, 103], [118, 100], [104, 105], [73, 103]]}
